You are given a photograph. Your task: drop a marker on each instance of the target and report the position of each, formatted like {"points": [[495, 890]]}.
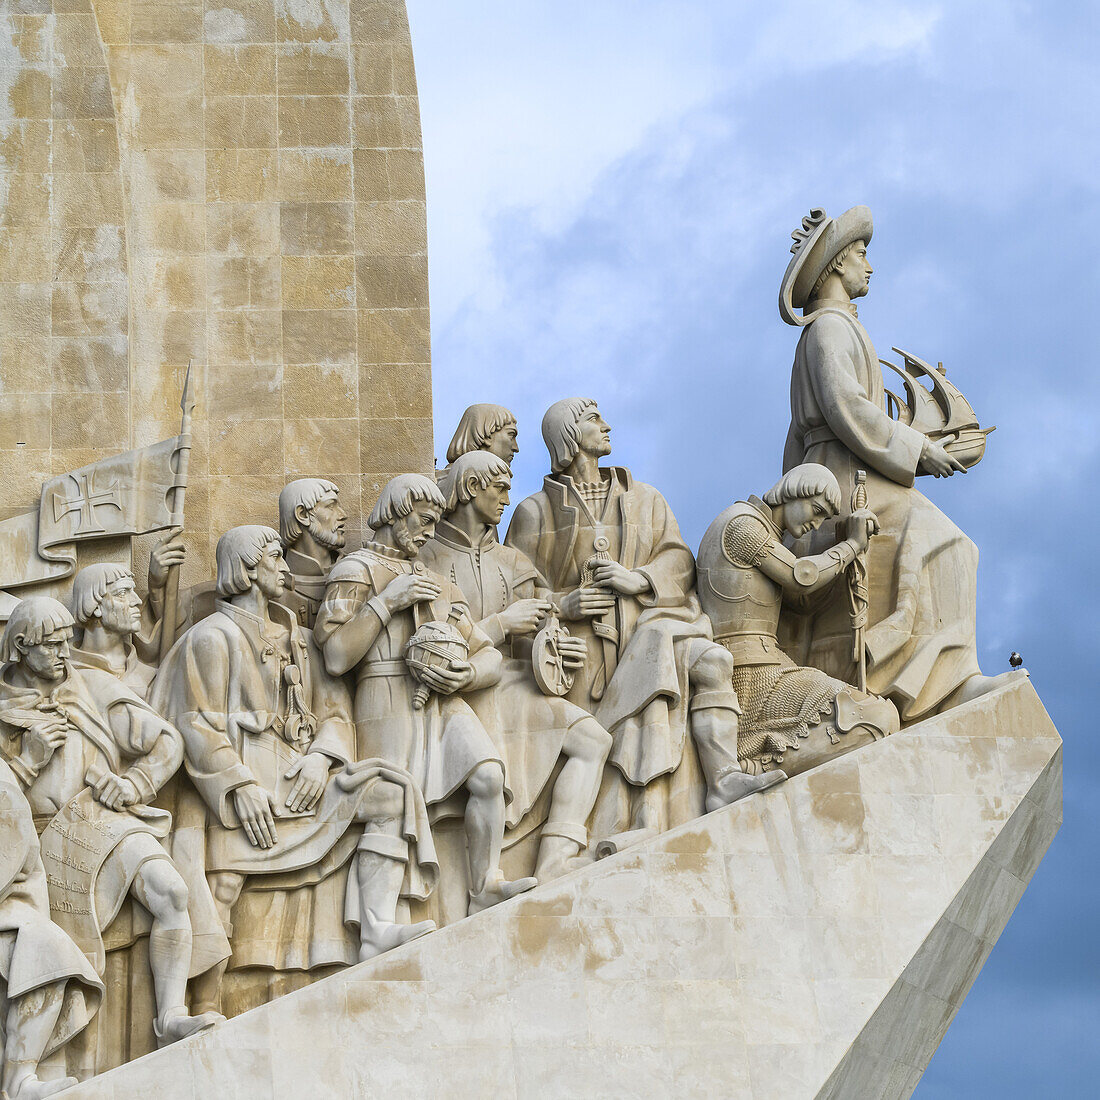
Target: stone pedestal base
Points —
{"points": [[815, 940]]}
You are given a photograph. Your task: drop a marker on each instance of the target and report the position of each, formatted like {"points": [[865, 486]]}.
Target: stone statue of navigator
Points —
{"points": [[920, 641]]}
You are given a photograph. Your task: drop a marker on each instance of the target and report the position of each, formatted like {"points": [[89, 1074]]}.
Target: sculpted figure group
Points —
{"points": [[339, 745]]}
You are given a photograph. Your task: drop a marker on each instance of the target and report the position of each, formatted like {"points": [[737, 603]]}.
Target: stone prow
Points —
{"points": [[815, 940]]}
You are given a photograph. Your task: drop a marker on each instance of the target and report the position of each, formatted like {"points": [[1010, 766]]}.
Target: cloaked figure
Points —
{"points": [[377, 599], [533, 729], [920, 640], [91, 757], [48, 989], [280, 798], [611, 552]]}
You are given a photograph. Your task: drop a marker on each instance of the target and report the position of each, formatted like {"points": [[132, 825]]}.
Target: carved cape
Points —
{"points": [[224, 683], [33, 950], [644, 706], [922, 568], [111, 729]]}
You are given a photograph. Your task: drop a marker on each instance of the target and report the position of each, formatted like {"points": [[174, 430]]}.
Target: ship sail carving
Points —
{"points": [[938, 410]]}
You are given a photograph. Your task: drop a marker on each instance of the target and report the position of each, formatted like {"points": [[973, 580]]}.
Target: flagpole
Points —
{"points": [[170, 621]]}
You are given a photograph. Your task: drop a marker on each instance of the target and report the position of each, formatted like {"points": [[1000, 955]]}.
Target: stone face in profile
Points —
{"points": [[533, 729], [312, 528], [792, 716], [271, 749], [485, 427], [121, 632], [920, 639], [92, 756], [611, 551], [375, 600]]}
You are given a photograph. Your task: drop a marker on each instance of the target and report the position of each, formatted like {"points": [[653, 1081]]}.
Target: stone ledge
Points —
{"points": [[774, 949]]}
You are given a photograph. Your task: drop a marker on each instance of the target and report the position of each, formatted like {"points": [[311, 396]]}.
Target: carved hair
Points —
{"points": [[32, 621], [400, 496], [830, 267], [239, 550], [559, 430], [808, 480], [474, 469], [303, 493], [478, 425], [90, 585]]}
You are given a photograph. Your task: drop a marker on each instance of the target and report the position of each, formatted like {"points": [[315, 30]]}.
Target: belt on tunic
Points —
{"points": [[821, 434], [383, 668]]}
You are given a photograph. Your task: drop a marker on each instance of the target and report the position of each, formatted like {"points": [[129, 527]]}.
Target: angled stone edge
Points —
{"points": [[813, 940]]}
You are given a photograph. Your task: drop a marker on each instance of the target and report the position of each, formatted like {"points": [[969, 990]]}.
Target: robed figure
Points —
{"points": [[920, 639], [280, 798], [49, 991], [611, 552]]}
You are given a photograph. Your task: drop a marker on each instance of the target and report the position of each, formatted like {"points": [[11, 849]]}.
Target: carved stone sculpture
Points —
{"points": [[120, 632], [920, 639], [270, 748], [491, 428], [375, 600], [792, 716], [92, 756], [49, 991], [508, 601], [312, 527], [611, 551]]}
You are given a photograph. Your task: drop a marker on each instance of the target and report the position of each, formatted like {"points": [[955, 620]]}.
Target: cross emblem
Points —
{"points": [[86, 501]]}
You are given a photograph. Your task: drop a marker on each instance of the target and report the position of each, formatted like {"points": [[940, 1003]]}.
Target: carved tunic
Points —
{"points": [[922, 569], [528, 727], [33, 950], [442, 743], [309, 577], [227, 685], [110, 729], [644, 706]]}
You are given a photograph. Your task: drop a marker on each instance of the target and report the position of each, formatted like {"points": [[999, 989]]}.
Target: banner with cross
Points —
{"points": [[126, 494]]}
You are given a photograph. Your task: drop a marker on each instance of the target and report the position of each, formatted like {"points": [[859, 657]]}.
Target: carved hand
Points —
{"points": [[862, 524], [407, 589], [610, 574], [574, 652], [254, 807], [586, 603], [168, 552], [524, 616], [115, 792], [312, 772], [446, 681], [42, 739], [937, 461]]}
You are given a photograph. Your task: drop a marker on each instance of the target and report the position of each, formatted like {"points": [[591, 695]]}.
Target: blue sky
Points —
{"points": [[611, 191]]}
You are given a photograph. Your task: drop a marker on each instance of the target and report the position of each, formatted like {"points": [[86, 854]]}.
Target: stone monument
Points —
{"points": [[307, 779]]}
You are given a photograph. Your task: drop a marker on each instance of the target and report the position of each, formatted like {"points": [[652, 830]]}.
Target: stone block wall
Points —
{"points": [[235, 181]]}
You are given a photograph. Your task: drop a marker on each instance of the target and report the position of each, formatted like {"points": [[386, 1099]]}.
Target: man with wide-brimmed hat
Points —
{"points": [[920, 639]]}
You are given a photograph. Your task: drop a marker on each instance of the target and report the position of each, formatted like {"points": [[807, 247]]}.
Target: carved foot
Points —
{"points": [[180, 1026], [734, 786], [979, 685], [559, 855], [31, 1088], [498, 890], [385, 936]]}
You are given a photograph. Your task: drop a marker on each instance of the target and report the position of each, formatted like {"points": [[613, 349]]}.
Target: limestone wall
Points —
{"points": [[239, 182], [813, 940]]}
